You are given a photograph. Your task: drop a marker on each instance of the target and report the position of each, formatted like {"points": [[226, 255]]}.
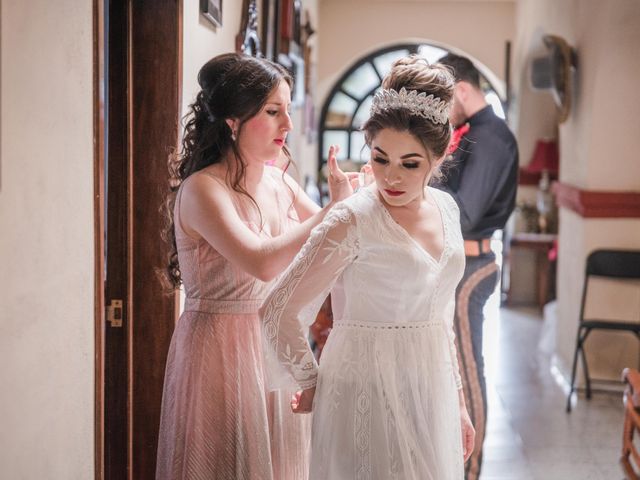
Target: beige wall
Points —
{"points": [[351, 29], [202, 41], [304, 151], [605, 35], [597, 146], [46, 241]]}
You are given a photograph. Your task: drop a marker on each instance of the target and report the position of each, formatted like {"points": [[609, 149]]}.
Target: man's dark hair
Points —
{"points": [[463, 69]]}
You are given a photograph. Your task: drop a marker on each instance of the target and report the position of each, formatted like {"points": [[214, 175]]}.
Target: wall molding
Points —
{"points": [[597, 203]]}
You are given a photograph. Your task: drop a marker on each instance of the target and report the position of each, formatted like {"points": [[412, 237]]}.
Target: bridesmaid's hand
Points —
{"points": [[302, 402], [365, 177], [360, 179], [468, 434], [339, 182]]}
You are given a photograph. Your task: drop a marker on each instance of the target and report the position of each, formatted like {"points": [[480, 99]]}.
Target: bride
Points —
{"points": [[387, 399]]}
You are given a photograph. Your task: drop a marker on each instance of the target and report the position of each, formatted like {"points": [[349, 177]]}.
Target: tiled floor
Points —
{"points": [[529, 435]]}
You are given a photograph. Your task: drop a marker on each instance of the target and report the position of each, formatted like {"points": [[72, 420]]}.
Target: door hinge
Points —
{"points": [[114, 313]]}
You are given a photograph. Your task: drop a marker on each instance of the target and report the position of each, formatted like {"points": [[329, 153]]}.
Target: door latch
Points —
{"points": [[114, 313]]}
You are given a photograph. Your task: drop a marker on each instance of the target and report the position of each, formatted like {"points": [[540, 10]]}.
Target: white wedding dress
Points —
{"points": [[386, 402]]}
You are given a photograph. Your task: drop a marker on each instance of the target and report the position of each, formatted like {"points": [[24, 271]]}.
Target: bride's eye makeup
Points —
{"points": [[383, 161]]}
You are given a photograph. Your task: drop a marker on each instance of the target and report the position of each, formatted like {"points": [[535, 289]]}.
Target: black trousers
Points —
{"points": [[475, 288]]}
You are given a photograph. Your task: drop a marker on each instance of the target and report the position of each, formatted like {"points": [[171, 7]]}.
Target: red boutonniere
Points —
{"points": [[456, 136]]}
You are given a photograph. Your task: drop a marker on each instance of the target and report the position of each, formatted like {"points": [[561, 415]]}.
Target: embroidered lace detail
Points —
{"points": [[363, 419], [451, 211], [388, 326], [289, 343]]}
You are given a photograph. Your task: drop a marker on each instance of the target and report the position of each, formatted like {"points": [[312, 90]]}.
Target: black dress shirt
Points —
{"points": [[482, 177]]}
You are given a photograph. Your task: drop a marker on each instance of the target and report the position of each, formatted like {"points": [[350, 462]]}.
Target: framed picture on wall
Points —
{"points": [[212, 11], [248, 40], [269, 28]]}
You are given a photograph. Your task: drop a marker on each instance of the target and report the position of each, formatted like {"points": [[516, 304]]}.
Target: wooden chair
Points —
{"points": [[631, 423], [613, 264]]}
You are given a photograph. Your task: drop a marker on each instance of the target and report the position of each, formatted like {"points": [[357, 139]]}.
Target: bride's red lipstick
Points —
{"points": [[393, 193]]}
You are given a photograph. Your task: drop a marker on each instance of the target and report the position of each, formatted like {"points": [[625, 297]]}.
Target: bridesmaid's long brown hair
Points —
{"points": [[231, 86]]}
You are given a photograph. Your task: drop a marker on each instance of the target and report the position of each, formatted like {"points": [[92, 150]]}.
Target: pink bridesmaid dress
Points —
{"points": [[218, 421]]}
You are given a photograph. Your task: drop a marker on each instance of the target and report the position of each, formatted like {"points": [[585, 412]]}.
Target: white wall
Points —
{"points": [[46, 241]]}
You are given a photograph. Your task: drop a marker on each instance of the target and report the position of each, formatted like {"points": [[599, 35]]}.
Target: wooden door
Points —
{"points": [[137, 85]]}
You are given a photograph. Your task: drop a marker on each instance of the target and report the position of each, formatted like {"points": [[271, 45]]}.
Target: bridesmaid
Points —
{"points": [[235, 224]]}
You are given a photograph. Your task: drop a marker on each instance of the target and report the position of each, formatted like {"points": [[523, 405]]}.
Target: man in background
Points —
{"points": [[482, 177]]}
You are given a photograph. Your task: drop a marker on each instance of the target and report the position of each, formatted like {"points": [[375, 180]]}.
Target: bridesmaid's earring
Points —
{"points": [[234, 136]]}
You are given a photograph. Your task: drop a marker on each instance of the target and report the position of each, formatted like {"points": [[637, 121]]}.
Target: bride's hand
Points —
{"points": [[302, 402], [339, 183], [468, 434]]}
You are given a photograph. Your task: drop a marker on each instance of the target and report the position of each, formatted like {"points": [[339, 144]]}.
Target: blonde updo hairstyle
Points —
{"points": [[415, 73]]}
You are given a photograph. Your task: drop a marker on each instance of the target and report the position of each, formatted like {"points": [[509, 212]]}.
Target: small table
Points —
{"points": [[541, 244]]}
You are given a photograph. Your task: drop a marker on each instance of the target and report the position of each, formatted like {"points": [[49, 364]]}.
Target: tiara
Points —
{"points": [[427, 106]]}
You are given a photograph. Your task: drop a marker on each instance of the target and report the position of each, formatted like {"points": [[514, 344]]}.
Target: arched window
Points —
{"points": [[347, 106]]}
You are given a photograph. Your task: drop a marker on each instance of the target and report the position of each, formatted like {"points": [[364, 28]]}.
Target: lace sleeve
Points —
{"points": [[294, 301], [454, 212], [452, 342]]}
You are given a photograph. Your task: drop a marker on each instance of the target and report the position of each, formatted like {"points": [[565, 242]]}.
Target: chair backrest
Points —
{"points": [[614, 263]]}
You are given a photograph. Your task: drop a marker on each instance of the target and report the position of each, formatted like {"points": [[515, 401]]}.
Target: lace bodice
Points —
{"points": [[380, 275]]}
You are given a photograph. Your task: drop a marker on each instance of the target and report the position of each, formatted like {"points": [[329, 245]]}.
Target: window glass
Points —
{"points": [[362, 114], [383, 62], [359, 150], [362, 81], [493, 100], [430, 53], [339, 138], [340, 111]]}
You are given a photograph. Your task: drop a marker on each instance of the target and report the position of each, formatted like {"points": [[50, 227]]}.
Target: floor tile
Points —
{"points": [[529, 434]]}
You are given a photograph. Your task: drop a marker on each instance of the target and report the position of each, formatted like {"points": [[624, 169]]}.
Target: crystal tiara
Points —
{"points": [[427, 106]]}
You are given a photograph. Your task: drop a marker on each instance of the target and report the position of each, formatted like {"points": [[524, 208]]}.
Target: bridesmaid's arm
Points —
{"points": [[304, 206], [208, 208]]}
